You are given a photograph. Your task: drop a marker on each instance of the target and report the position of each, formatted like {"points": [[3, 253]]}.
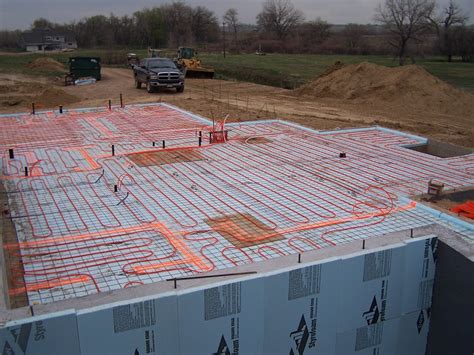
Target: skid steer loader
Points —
{"points": [[191, 65]]}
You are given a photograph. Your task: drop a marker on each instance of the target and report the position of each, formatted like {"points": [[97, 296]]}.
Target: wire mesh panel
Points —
{"points": [[102, 200]]}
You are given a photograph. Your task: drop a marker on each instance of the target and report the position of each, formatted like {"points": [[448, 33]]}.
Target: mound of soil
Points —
{"points": [[22, 94], [377, 85], [52, 97], [46, 63], [329, 70]]}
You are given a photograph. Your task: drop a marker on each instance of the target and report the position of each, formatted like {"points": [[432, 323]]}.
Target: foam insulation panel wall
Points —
{"points": [[225, 319], [302, 309], [373, 302], [54, 333], [371, 289], [149, 326]]}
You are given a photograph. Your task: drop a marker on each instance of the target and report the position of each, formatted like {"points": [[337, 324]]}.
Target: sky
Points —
{"points": [[19, 14]]}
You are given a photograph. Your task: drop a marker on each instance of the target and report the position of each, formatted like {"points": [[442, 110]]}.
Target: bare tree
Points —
{"points": [[463, 42], [406, 20], [149, 27], [353, 35], [9, 39], [178, 18], [231, 18], [451, 16], [313, 33], [204, 25], [279, 17]]}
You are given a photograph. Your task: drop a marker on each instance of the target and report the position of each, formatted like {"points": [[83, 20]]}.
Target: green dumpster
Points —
{"points": [[81, 67]]}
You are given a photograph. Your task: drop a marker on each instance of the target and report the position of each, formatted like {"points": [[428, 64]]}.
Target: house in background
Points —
{"points": [[47, 39]]}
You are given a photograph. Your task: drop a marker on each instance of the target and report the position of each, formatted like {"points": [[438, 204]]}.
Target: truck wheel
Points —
{"points": [[180, 89], [149, 88], [138, 84]]}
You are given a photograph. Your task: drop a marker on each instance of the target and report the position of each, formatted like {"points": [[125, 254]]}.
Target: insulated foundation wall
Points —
{"points": [[225, 319], [452, 325], [55, 333], [373, 302], [147, 326]]}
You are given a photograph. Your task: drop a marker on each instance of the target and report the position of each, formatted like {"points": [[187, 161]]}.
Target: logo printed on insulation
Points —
{"points": [[223, 348], [149, 341], [22, 335], [373, 314], [300, 337], [40, 331], [235, 333], [305, 336], [7, 349], [420, 321], [434, 248]]}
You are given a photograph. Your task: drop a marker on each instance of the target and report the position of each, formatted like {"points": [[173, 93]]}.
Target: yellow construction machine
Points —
{"points": [[191, 65]]}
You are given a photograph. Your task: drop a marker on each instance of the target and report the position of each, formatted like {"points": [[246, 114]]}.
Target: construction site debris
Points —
{"points": [[85, 81], [464, 209], [435, 188]]}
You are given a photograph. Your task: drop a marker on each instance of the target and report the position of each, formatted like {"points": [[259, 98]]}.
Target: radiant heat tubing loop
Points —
{"points": [[184, 217]]}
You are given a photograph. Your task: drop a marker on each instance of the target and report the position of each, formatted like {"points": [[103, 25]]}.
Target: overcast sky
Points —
{"points": [[19, 14]]}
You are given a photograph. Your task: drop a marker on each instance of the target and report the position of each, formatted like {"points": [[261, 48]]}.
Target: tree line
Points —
{"points": [[406, 28], [408, 23], [171, 24]]}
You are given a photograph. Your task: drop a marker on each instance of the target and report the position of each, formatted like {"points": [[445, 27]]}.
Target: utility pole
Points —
{"points": [[223, 36]]}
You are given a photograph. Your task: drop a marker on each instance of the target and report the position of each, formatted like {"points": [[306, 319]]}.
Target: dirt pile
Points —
{"points": [[20, 94], [53, 97], [329, 70], [378, 85], [46, 63]]}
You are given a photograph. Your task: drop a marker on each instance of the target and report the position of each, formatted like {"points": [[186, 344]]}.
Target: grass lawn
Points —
{"points": [[282, 70]]}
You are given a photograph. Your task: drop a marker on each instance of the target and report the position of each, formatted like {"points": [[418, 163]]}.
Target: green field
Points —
{"points": [[289, 70], [18, 62], [282, 70]]}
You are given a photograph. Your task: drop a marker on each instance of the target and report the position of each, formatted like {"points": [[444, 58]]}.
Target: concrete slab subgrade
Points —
{"points": [[89, 221]]}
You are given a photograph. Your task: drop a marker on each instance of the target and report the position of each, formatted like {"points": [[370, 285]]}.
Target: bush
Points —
{"points": [[9, 40], [114, 57]]}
